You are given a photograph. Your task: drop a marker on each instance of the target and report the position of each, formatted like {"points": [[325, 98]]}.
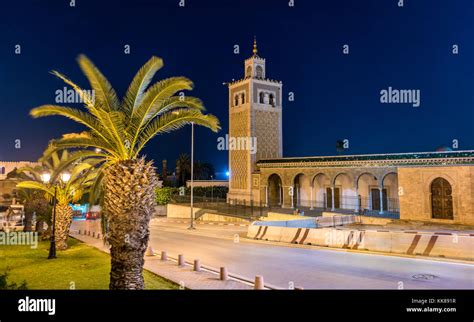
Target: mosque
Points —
{"points": [[426, 186]]}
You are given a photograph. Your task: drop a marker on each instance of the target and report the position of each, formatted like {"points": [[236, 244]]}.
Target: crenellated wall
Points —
{"points": [[8, 166]]}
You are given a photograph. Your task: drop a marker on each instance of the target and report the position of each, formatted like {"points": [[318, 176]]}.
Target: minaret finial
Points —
{"points": [[254, 45]]}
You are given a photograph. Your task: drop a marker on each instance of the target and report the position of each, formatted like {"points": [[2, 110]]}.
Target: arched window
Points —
{"points": [[242, 98], [272, 100], [259, 72], [441, 199], [261, 97], [236, 100], [248, 73]]}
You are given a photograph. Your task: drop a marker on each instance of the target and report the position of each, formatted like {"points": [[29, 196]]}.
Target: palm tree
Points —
{"points": [[117, 132], [82, 177], [183, 167], [203, 170], [36, 204]]}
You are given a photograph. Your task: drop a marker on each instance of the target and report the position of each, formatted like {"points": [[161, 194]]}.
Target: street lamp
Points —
{"points": [[46, 178], [212, 188], [191, 225]]}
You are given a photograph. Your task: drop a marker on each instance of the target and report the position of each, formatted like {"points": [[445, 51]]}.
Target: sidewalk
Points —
{"points": [[198, 222], [185, 277]]}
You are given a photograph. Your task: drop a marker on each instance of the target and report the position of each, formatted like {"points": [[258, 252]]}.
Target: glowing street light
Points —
{"points": [[65, 177], [45, 177]]}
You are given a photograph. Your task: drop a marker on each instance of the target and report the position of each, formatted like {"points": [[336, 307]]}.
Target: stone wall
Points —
{"points": [[415, 194]]}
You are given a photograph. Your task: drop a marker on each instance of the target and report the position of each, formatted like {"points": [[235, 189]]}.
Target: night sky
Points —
{"points": [[337, 96]]}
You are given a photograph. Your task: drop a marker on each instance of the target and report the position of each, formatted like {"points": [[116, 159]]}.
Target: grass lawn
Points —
{"points": [[82, 265]]}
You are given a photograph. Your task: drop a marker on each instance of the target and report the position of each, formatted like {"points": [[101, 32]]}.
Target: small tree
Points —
{"points": [[163, 195]]}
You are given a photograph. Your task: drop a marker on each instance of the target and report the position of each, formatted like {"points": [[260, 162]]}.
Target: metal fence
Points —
{"points": [[353, 203], [234, 207], [252, 210]]}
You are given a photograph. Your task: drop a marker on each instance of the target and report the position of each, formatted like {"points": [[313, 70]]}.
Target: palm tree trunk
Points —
{"points": [[28, 221], [63, 224], [129, 203]]}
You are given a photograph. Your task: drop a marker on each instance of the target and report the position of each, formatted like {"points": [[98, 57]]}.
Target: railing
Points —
{"points": [[252, 210], [351, 204], [234, 207]]}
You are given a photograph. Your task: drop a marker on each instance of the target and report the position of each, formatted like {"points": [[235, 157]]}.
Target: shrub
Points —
{"points": [[12, 286], [163, 195]]}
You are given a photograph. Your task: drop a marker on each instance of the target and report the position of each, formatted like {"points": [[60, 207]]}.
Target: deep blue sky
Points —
{"points": [[336, 95]]}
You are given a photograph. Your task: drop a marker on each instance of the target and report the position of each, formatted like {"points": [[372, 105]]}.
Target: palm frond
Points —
{"points": [[172, 121], [105, 95], [140, 82], [36, 185], [81, 140]]}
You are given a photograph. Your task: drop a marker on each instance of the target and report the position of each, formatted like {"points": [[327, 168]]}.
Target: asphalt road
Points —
{"points": [[309, 267]]}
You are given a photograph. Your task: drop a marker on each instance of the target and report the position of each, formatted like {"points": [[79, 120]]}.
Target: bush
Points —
{"points": [[163, 195], [215, 192], [12, 286]]}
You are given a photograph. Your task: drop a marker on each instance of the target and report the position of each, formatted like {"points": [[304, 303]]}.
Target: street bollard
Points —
{"points": [[149, 251], [164, 256], [88, 233], [180, 260], [98, 235], [259, 285], [224, 276], [93, 234], [79, 231], [197, 265]]}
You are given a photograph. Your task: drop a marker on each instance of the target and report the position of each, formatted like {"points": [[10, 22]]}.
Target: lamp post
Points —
{"points": [[46, 177], [212, 188], [191, 225]]}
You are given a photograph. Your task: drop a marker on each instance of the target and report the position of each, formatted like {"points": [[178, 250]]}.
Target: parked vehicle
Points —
{"points": [[93, 215]]}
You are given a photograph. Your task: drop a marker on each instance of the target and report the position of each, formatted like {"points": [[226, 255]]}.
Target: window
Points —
{"points": [[441, 199], [242, 98], [261, 97], [248, 73], [259, 72], [236, 100], [272, 100], [2, 170]]}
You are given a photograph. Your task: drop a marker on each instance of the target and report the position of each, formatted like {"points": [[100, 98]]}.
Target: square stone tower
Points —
{"points": [[255, 115]]}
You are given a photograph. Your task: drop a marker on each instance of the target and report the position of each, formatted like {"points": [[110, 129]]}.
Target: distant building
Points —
{"points": [[427, 186], [8, 186]]}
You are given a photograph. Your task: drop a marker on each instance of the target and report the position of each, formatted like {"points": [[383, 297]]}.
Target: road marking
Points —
{"points": [[264, 232], [430, 246], [349, 239], [296, 236], [413, 245], [304, 236], [258, 232]]}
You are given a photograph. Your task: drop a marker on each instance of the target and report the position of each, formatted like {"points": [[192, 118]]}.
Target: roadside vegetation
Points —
{"points": [[80, 267]]}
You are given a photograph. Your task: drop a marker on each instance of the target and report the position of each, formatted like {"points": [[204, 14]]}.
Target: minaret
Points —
{"points": [[255, 113]]}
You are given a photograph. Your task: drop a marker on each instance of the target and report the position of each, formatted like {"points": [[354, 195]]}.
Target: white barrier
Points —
{"points": [[253, 230], [273, 234], [398, 242], [290, 235], [376, 241]]}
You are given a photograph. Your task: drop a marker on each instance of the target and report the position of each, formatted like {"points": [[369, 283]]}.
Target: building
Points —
{"points": [[428, 186], [7, 186]]}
